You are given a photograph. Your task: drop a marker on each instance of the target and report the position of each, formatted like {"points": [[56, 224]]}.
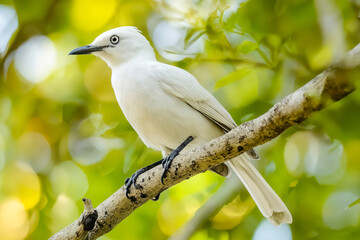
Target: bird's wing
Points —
{"points": [[183, 85]]}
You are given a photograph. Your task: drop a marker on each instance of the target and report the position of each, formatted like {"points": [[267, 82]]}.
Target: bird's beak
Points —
{"points": [[86, 50]]}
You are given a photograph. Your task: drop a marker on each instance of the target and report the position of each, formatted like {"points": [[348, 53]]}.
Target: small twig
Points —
{"points": [[80, 228], [90, 215]]}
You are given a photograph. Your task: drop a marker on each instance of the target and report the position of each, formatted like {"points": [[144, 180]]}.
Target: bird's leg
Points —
{"points": [[132, 179], [166, 162]]}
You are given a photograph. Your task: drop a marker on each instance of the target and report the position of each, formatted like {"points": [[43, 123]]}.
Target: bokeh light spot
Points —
{"points": [[23, 183], [90, 15], [336, 213], [232, 214], [89, 150], [8, 25], [35, 59], [167, 37], [292, 158], [62, 213], [35, 150], [267, 231], [314, 154], [68, 179], [14, 223], [185, 200], [86, 144], [174, 213]]}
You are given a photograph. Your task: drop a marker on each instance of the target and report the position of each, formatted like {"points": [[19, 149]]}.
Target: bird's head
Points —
{"points": [[118, 45]]}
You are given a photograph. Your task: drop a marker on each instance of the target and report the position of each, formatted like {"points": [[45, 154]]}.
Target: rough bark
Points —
{"points": [[330, 86]]}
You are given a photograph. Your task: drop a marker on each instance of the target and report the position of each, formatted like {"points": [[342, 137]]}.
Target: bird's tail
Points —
{"points": [[268, 202]]}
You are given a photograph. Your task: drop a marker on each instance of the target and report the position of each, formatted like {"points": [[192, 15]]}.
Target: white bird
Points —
{"points": [[166, 104]]}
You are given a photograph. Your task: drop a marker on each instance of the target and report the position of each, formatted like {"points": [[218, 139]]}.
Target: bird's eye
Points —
{"points": [[114, 39]]}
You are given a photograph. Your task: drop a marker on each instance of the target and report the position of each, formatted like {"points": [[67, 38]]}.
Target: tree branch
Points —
{"points": [[331, 85]]}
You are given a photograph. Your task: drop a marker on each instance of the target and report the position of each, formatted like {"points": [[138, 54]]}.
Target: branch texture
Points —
{"points": [[331, 85]]}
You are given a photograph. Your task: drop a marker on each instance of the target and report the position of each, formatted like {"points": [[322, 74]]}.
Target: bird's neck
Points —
{"points": [[129, 57], [126, 71]]}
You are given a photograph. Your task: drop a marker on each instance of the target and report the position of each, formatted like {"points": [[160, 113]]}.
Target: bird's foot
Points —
{"points": [[132, 181], [166, 162]]}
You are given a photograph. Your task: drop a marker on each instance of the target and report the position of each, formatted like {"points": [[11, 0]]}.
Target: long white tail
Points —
{"points": [[268, 202]]}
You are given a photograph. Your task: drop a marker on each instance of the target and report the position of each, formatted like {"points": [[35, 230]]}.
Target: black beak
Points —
{"points": [[86, 50]]}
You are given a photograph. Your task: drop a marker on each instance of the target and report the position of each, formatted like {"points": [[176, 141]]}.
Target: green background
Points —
{"points": [[64, 137]]}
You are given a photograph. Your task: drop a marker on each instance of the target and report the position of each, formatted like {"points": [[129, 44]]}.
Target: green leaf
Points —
{"points": [[234, 76], [247, 46], [356, 202]]}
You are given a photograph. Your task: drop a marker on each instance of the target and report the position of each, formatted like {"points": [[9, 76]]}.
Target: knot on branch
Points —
{"points": [[89, 215]]}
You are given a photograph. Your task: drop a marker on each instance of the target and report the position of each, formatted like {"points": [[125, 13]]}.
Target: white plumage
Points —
{"points": [[166, 104]]}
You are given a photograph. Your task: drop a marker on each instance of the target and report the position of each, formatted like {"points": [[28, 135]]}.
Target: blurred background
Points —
{"points": [[63, 136]]}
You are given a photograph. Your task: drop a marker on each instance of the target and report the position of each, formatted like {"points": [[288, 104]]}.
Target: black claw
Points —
{"points": [[164, 174], [166, 162], [132, 181]]}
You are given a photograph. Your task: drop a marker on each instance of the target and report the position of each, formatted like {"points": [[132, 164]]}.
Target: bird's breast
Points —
{"points": [[145, 106], [162, 120]]}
